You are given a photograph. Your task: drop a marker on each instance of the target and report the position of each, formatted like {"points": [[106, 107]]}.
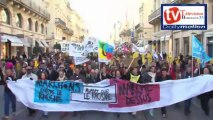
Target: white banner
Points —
{"points": [[65, 47], [141, 50], [96, 94], [77, 50], [91, 44], [130, 97], [80, 60]]}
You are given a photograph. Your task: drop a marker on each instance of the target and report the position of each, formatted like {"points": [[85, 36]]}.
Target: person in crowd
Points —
{"points": [[164, 76], [62, 76], [187, 103], [113, 73], [31, 76], [150, 77], [18, 68], [135, 77], [69, 71], [83, 70], [42, 68], [92, 77], [78, 76], [52, 74], [104, 75], [23, 72], [43, 76], [32, 64], [9, 97], [204, 98]]}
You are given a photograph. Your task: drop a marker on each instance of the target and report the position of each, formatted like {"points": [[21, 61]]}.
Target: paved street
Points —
{"points": [[174, 113]]}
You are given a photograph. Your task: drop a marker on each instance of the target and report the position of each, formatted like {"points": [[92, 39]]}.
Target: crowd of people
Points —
{"points": [[58, 67]]}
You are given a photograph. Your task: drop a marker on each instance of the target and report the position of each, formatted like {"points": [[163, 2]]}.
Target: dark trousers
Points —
{"points": [[163, 110], [9, 97], [187, 105], [31, 111], [204, 99]]}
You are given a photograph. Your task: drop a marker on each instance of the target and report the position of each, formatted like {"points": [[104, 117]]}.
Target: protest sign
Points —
{"points": [[106, 94], [91, 45], [80, 60], [111, 95], [65, 47], [55, 92], [77, 50]]}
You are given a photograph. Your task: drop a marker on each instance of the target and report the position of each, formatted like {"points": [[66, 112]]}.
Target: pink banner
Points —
{"points": [[131, 94]]}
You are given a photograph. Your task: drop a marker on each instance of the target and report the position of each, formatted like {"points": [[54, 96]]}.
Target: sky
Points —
{"points": [[100, 15]]}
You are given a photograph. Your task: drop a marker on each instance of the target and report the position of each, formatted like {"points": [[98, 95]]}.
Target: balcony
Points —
{"points": [[139, 28], [154, 16], [2, 2], [125, 33], [60, 23], [31, 6], [68, 31], [157, 13]]}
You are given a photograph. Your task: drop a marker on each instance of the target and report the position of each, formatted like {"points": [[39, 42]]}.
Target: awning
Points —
{"points": [[25, 42], [162, 38], [39, 43], [44, 43], [15, 41], [167, 37]]}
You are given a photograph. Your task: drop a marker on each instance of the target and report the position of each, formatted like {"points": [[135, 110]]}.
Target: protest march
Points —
{"points": [[97, 76]]}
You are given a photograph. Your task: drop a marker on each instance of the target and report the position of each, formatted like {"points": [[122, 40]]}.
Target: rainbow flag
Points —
{"points": [[105, 52]]}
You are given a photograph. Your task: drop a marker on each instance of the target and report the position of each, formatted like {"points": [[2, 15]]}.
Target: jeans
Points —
{"points": [[9, 97], [187, 105]]}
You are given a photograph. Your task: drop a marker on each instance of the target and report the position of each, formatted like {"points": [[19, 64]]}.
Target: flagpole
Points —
{"points": [[192, 54]]}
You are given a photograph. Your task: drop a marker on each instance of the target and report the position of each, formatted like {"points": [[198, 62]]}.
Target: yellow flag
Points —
{"points": [[135, 55], [169, 59], [36, 64], [149, 57], [143, 59]]}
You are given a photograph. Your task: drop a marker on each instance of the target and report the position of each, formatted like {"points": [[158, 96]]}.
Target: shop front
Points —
{"points": [[10, 46]]}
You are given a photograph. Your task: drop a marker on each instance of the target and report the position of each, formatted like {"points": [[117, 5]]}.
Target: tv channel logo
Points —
{"points": [[183, 17]]}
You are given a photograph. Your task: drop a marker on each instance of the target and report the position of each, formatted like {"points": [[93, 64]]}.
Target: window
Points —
{"points": [[5, 16], [19, 20], [42, 28], [36, 26], [29, 23]]}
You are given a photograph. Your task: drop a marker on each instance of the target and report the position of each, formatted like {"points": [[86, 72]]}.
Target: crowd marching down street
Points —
{"points": [[56, 66]]}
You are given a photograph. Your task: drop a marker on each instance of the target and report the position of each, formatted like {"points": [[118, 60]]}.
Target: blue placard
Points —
{"points": [[56, 92]]}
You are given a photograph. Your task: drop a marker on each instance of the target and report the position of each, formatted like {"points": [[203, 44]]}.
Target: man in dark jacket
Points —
{"points": [[187, 103], [164, 76], [78, 76], [53, 74]]}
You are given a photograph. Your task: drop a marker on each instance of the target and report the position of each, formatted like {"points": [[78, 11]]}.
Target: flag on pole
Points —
{"points": [[105, 52], [198, 51]]}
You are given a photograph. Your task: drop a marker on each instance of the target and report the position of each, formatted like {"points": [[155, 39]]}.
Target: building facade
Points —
{"points": [[65, 24], [179, 41], [144, 30], [23, 25]]}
